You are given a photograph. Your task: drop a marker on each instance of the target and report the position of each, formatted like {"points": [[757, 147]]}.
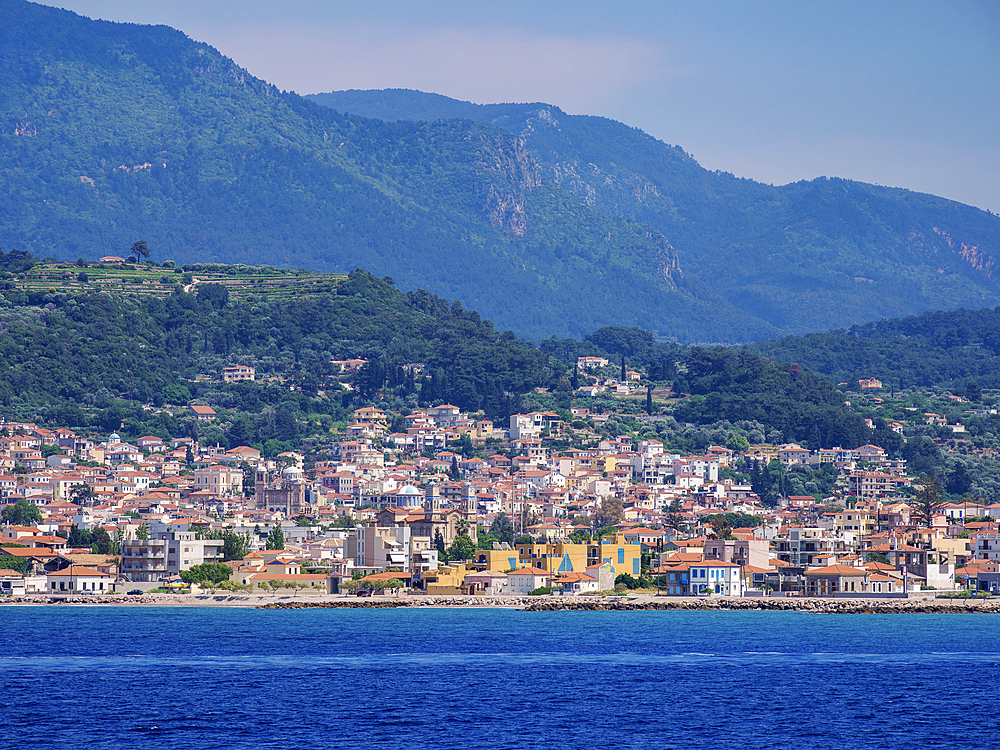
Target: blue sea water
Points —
{"points": [[118, 677]]}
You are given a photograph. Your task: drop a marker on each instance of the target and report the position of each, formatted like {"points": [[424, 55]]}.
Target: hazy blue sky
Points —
{"points": [[896, 93]]}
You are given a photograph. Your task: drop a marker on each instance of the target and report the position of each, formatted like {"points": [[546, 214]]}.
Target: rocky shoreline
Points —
{"points": [[816, 606], [394, 603], [533, 604], [809, 605]]}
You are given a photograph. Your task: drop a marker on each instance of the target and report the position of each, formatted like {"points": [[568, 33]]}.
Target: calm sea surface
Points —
{"points": [[91, 677]]}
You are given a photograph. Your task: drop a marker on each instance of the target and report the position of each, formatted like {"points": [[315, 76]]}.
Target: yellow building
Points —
{"points": [[446, 580], [623, 556], [862, 521], [565, 557]]}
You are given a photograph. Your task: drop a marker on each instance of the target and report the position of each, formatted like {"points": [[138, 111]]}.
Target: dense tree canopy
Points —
{"points": [[22, 513], [730, 384], [959, 350], [89, 360]]}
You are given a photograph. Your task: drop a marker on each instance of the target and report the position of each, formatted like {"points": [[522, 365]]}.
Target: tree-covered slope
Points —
{"points": [[90, 358], [116, 132], [69, 354], [730, 384], [806, 256], [947, 349], [548, 224]]}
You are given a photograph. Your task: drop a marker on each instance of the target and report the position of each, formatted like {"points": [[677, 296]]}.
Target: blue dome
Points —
{"points": [[408, 497]]}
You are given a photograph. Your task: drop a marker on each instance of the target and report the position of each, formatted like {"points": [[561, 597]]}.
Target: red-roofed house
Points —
{"points": [[715, 577], [203, 412], [79, 579]]}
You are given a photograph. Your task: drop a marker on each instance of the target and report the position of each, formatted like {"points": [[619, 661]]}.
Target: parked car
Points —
{"points": [[135, 592], [364, 592]]}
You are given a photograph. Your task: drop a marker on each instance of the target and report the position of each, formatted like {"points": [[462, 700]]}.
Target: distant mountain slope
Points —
{"points": [[548, 224], [116, 132], [806, 256]]}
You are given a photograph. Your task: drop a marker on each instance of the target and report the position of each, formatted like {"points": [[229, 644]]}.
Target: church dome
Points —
{"points": [[408, 497]]}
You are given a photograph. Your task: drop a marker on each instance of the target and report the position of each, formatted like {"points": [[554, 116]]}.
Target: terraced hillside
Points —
{"points": [[150, 280]]}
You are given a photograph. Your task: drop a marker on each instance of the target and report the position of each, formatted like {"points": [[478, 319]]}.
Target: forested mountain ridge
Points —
{"points": [[548, 224], [115, 132], [805, 256]]}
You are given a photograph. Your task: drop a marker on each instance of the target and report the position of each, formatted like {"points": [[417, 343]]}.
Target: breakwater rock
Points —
{"points": [[345, 604], [428, 601], [817, 605], [73, 599]]}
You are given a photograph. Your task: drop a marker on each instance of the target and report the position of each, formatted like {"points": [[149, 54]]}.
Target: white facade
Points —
{"points": [[78, 579], [715, 577], [523, 426], [526, 580], [987, 546], [167, 554]]}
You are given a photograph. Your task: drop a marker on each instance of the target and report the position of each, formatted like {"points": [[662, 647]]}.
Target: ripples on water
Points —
{"points": [[165, 678]]}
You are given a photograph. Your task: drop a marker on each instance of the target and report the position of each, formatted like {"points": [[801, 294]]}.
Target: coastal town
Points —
{"points": [[455, 505]]}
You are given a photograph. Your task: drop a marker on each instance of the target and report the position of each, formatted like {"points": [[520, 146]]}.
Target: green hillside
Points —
{"points": [[86, 357], [103, 359], [807, 256], [954, 350], [120, 132], [550, 225], [262, 282]]}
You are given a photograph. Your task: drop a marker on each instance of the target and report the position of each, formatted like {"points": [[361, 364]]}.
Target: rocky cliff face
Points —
{"points": [[668, 265], [508, 158], [971, 254], [510, 172], [503, 209]]}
